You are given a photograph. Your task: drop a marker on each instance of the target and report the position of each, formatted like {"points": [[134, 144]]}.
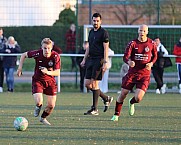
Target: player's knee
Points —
{"points": [[49, 108], [121, 98], [124, 93], [88, 86]]}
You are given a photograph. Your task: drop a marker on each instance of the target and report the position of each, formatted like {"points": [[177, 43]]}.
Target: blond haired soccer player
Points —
{"points": [[140, 55], [47, 66]]}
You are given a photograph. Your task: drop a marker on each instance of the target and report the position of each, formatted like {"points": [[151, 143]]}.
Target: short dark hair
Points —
{"points": [[157, 38], [96, 15], [85, 42]]}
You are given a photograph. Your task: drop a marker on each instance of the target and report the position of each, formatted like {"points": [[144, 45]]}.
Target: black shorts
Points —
{"points": [[94, 68]]}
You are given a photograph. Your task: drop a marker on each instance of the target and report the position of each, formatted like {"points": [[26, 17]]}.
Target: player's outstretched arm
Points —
{"points": [[22, 58]]}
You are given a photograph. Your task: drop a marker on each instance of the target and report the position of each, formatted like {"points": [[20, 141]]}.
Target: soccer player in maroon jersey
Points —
{"points": [[47, 66], [140, 55]]}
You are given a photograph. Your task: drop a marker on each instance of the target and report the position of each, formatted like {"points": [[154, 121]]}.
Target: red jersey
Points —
{"points": [[51, 63], [141, 53], [177, 51]]}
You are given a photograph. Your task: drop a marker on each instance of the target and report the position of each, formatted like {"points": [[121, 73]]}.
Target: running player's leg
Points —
{"points": [[141, 87], [119, 104], [37, 91], [38, 98], [51, 91], [51, 100], [127, 85]]}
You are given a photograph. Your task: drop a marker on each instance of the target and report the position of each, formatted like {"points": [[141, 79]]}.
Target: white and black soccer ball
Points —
{"points": [[20, 123]]}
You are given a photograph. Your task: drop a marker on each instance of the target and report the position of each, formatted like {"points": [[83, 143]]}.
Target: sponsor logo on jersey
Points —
{"points": [[141, 57]]}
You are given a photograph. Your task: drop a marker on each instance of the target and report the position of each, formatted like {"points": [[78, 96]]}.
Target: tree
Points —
{"points": [[131, 11], [171, 12], [66, 17]]}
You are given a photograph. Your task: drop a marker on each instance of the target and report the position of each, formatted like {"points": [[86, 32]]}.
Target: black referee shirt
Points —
{"points": [[96, 39]]}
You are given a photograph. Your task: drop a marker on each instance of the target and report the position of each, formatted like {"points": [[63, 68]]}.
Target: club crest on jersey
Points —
{"points": [[50, 63], [147, 49]]}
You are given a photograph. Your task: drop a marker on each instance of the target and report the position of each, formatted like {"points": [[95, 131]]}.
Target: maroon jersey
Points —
{"points": [[141, 53], [51, 63]]}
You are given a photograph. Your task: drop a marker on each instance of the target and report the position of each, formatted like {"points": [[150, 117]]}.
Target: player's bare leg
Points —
{"points": [[119, 104], [136, 99], [38, 97], [51, 100]]}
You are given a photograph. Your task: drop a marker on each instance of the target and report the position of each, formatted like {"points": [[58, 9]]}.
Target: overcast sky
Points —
{"points": [[30, 12]]}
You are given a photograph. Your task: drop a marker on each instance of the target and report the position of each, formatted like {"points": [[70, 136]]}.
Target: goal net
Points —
{"points": [[120, 35]]}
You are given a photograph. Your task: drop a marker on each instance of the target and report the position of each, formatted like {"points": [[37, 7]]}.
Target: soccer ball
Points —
{"points": [[20, 123]]}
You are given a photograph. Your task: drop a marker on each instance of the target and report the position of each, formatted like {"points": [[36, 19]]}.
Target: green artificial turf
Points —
{"points": [[156, 121]]}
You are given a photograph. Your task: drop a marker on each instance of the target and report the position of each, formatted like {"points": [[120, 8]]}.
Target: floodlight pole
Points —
{"points": [[76, 48], [158, 12], [90, 11]]}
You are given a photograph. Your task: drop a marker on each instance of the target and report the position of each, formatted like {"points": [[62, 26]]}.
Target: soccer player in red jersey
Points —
{"points": [[140, 55], [47, 66]]}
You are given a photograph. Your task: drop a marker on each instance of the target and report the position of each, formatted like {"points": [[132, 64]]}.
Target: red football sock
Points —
{"points": [[118, 108]]}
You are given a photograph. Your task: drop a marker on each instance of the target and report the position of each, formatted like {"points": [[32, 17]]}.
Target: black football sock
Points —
{"points": [[45, 114], [133, 100], [96, 94], [102, 95]]}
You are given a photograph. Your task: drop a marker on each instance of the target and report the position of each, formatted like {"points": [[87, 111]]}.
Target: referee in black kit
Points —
{"points": [[96, 57]]}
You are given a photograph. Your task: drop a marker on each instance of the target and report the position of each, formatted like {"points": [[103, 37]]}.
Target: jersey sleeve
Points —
{"points": [[57, 62], [128, 51], [33, 53], [154, 54], [106, 37]]}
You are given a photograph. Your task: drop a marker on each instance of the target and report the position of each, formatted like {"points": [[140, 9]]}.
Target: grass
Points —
{"points": [[156, 121]]}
